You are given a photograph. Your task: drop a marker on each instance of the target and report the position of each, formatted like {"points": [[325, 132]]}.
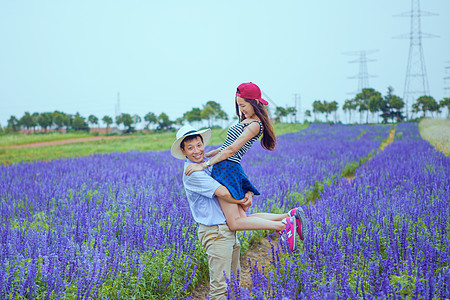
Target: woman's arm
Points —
{"points": [[250, 132], [212, 153]]}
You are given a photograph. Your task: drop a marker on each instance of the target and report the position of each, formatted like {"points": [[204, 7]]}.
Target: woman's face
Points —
{"points": [[245, 108]]}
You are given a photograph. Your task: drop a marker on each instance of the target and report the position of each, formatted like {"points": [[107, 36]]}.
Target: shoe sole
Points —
{"points": [[300, 214], [295, 231]]}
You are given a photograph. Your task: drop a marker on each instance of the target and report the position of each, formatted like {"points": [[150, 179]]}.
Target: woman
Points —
{"points": [[227, 170]]}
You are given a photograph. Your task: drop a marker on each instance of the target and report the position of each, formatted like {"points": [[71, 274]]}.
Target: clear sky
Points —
{"points": [[171, 56]]}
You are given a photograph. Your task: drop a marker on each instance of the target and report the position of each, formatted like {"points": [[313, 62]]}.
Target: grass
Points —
{"points": [[437, 132], [22, 139], [137, 142]]}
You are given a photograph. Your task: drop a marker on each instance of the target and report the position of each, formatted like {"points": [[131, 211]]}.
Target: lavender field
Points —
{"points": [[385, 235], [118, 225]]}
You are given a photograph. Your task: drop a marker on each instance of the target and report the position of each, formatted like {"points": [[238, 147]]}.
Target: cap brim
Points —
{"points": [[175, 150], [263, 101]]}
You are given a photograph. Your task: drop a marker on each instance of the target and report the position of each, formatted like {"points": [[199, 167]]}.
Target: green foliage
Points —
{"points": [[13, 124], [349, 169], [325, 108], [163, 277], [405, 283], [426, 104], [127, 121], [163, 122], [314, 192], [283, 128], [22, 139], [154, 141], [151, 119], [93, 120], [361, 134], [79, 123]]}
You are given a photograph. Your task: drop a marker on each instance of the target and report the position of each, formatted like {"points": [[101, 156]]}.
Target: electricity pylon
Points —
{"points": [[363, 74], [416, 81]]}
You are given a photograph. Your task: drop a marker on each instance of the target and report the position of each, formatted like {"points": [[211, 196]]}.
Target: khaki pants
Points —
{"points": [[223, 249]]}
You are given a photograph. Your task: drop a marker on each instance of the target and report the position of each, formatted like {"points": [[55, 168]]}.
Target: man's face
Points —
{"points": [[194, 150]]}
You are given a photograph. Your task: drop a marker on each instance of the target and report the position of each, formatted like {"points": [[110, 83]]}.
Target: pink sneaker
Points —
{"points": [[288, 233], [302, 228]]}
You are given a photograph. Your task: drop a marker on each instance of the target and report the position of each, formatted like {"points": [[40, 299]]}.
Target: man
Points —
{"points": [[220, 243]]}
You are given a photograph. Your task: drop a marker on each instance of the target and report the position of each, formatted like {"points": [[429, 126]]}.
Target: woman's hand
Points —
{"points": [[193, 167], [247, 201]]}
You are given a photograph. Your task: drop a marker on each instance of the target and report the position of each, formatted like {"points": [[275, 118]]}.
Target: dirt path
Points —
{"points": [[389, 140], [61, 142]]}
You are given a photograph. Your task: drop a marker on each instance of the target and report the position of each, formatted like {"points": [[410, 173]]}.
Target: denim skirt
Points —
{"points": [[231, 175]]}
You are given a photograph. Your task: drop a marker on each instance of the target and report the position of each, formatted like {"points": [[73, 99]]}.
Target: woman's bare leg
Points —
{"points": [[269, 216], [238, 220]]}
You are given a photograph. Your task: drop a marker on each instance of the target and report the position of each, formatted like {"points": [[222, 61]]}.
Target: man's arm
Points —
{"points": [[202, 183], [223, 193]]}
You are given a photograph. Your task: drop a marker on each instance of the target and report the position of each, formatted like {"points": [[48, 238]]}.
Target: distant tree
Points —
{"points": [[317, 108], [179, 121], [93, 120], [362, 99], [27, 121], [280, 112], [108, 121], [208, 114], [375, 104], [35, 117], [45, 120], [332, 107], [291, 112], [136, 119], [151, 119], [60, 119], [222, 115], [163, 122], [326, 109], [349, 106], [445, 103], [79, 123], [396, 104], [424, 104], [193, 115], [307, 114], [127, 121], [13, 124], [218, 113], [386, 113]]}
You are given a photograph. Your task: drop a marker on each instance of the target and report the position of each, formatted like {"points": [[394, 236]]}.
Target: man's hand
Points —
{"points": [[193, 167], [247, 201]]}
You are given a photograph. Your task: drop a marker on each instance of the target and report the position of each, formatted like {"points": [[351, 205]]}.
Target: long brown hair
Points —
{"points": [[268, 139]]}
